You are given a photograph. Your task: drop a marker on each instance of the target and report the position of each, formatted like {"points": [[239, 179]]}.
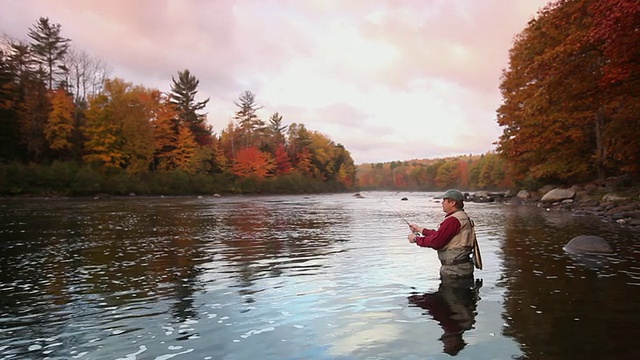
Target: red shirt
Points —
{"points": [[437, 239]]}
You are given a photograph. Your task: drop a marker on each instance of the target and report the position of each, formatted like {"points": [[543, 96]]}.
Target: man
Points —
{"points": [[454, 240]]}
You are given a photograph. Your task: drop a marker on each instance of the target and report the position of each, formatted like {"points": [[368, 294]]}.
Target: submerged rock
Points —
{"points": [[482, 197], [588, 244]]}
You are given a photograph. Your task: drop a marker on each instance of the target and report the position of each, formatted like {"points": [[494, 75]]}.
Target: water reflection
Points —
{"points": [[311, 277], [554, 302], [79, 272], [453, 306]]}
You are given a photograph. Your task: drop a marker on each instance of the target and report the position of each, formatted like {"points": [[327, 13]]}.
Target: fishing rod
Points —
{"points": [[400, 215]]}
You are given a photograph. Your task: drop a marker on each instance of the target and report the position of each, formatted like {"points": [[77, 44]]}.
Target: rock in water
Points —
{"points": [[588, 244], [558, 195]]}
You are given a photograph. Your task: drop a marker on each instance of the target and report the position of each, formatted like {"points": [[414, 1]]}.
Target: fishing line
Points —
{"points": [[400, 215]]}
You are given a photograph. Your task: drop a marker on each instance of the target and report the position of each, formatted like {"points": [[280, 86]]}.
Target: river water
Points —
{"points": [[304, 277]]}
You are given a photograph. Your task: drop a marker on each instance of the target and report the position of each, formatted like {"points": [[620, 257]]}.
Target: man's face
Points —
{"points": [[447, 205]]}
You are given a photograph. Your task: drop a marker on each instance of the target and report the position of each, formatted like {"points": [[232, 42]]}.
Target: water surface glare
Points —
{"points": [[304, 277]]}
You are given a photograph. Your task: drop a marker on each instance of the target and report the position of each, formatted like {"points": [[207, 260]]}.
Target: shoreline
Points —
{"points": [[621, 206]]}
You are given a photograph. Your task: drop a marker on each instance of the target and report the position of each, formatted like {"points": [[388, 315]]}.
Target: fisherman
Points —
{"points": [[455, 240]]}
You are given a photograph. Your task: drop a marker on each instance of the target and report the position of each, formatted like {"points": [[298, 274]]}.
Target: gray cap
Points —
{"points": [[453, 194]]}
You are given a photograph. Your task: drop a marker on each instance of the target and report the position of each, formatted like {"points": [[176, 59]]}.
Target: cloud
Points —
{"points": [[389, 80]]}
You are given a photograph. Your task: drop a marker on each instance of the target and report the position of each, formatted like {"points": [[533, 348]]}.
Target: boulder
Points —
{"points": [[588, 244], [558, 194], [613, 197], [523, 195], [545, 189]]}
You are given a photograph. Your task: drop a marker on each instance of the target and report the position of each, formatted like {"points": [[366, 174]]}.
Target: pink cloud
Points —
{"points": [[347, 56]]}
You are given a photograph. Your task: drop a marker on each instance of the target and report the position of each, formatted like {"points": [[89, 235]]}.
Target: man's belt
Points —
{"points": [[456, 261]]}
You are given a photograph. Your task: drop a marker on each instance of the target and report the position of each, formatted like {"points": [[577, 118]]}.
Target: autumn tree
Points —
{"points": [[50, 48], [537, 128], [103, 133], [251, 162], [298, 138], [60, 126], [322, 155], [463, 171], [230, 139], [344, 167], [137, 129], [119, 128], [166, 132], [615, 31], [189, 156], [183, 154], [448, 175], [282, 161], [562, 118]]}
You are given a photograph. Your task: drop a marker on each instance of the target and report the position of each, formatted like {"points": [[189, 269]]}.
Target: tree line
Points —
{"points": [[478, 172], [69, 128]]}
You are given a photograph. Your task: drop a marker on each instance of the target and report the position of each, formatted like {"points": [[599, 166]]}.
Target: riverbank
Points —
{"points": [[612, 204]]}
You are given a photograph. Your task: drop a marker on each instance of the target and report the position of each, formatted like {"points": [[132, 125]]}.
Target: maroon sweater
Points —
{"points": [[437, 239]]}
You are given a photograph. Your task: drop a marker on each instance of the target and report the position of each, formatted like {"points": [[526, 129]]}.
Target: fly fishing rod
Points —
{"points": [[402, 217]]}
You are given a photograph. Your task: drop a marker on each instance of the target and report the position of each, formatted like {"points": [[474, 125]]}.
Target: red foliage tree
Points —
{"points": [[283, 162], [251, 162]]}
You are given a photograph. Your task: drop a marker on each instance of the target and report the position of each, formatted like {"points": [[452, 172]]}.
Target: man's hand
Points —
{"points": [[412, 238], [415, 228]]}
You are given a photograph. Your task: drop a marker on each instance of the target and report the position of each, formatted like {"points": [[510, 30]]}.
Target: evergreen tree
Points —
{"points": [[49, 48], [183, 97], [9, 122], [276, 130], [248, 121]]}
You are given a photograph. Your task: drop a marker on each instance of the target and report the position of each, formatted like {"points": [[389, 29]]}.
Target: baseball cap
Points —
{"points": [[453, 194]]}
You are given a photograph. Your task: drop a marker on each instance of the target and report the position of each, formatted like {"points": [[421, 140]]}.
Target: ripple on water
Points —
{"points": [[267, 277]]}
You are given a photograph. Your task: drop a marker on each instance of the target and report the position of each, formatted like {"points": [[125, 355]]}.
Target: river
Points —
{"points": [[327, 276]]}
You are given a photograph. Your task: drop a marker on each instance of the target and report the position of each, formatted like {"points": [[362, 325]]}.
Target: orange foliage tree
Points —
{"points": [[251, 162], [60, 126]]}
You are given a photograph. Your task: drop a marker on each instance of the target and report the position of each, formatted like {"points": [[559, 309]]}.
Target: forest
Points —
{"points": [[570, 110], [569, 114], [476, 172], [70, 129]]}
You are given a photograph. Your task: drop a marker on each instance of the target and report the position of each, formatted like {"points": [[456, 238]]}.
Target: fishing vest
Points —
{"points": [[455, 256]]}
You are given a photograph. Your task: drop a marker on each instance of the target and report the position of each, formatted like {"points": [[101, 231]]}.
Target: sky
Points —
{"points": [[389, 80]]}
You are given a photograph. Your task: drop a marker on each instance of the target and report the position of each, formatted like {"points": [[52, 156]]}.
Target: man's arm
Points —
{"points": [[437, 239]]}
